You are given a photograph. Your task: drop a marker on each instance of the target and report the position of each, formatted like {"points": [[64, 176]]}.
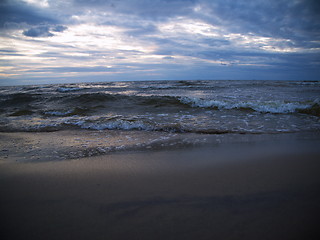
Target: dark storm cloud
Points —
{"points": [[172, 38], [43, 31], [12, 11], [298, 20], [282, 18]]}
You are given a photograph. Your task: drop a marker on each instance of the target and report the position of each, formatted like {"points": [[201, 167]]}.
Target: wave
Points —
{"points": [[122, 100], [65, 113], [18, 99], [137, 124], [312, 108], [80, 103], [277, 107], [158, 87], [110, 123], [68, 89], [22, 112], [205, 122]]}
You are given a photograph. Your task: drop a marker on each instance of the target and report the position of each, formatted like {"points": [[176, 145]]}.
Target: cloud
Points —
{"points": [[43, 31], [145, 9], [136, 30], [281, 18], [168, 58], [14, 11], [297, 20], [59, 28], [73, 69], [9, 52], [161, 38]]}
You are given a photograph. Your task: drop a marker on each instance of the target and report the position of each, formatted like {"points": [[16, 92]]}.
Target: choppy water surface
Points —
{"points": [[166, 106], [97, 118]]}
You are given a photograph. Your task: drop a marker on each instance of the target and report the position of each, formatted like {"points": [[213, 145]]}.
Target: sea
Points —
{"points": [[138, 115]]}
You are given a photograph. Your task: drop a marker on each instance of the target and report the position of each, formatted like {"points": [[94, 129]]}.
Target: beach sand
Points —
{"points": [[197, 193]]}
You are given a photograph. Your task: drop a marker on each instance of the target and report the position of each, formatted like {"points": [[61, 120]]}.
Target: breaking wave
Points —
{"points": [[80, 103], [68, 89], [278, 107], [127, 124], [175, 107], [312, 108]]}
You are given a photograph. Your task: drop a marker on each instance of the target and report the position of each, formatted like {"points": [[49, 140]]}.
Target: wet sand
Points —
{"points": [[179, 194]]}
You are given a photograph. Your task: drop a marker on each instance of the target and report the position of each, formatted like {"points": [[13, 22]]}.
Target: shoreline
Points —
{"points": [[77, 144]]}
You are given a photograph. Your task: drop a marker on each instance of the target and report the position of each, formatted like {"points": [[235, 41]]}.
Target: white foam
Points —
{"points": [[259, 106], [68, 89], [118, 124], [57, 113]]}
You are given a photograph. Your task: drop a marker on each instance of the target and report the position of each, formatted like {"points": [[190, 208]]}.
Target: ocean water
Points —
{"points": [[162, 112]]}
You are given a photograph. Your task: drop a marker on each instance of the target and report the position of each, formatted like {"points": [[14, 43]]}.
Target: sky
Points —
{"points": [[64, 41]]}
